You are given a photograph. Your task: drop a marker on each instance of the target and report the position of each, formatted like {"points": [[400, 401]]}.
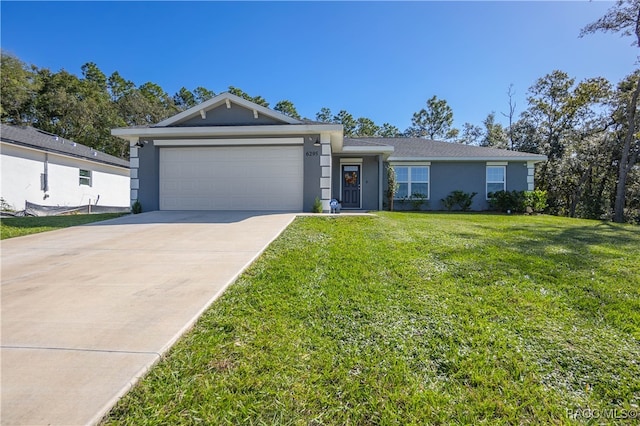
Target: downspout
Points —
{"points": [[45, 176], [380, 180]]}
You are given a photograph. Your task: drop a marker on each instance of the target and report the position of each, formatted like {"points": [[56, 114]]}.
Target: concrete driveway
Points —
{"points": [[86, 311]]}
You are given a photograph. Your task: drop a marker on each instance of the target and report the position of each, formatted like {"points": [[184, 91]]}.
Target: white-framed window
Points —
{"points": [[85, 177], [413, 181], [496, 179]]}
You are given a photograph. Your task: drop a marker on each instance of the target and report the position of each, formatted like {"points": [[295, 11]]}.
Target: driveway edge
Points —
{"points": [[159, 355]]}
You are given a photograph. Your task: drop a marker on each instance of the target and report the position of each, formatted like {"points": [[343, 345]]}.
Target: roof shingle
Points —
{"points": [[34, 138], [425, 148]]}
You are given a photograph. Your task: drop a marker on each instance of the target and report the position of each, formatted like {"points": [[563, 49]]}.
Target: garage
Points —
{"points": [[231, 178]]}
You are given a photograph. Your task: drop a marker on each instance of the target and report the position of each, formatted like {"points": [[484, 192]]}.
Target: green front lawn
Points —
{"points": [[410, 318], [19, 226]]}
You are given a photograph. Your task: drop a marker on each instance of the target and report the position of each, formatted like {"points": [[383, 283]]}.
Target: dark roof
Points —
{"points": [[38, 139], [425, 148]]}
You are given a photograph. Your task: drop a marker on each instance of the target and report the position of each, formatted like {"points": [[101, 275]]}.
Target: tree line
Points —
{"points": [[589, 130]]}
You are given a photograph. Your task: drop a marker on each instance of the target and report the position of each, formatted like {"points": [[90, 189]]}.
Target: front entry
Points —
{"points": [[351, 186]]}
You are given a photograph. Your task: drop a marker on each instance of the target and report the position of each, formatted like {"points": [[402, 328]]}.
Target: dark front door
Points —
{"points": [[351, 186]]}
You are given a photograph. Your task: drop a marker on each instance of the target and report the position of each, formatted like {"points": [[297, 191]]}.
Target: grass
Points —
{"points": [[19, 226], [411, 318]]}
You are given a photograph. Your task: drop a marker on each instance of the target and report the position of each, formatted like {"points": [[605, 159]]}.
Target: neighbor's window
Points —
{"points": [[85, 177], [496, 179], [412, 181]]}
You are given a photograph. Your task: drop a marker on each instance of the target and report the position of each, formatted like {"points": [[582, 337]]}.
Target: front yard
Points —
{"points": [[414, 319]]}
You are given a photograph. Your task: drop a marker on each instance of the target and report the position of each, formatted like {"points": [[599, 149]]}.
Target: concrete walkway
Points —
{"points": [[86, 311]]}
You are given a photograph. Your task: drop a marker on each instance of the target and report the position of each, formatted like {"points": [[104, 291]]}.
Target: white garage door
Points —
{"points": [[231, 178]]}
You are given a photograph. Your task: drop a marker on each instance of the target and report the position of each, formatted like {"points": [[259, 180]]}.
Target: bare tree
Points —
{"points": [[512, 111]]}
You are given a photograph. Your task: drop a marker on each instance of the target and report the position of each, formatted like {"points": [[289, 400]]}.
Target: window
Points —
{"points": [[496, 179], [85, 177], [412, 181]]}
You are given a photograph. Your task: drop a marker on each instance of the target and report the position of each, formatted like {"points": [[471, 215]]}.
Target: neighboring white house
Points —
{"points": [[48, 170]]}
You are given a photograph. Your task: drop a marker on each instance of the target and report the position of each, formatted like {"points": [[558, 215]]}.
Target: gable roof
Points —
{"points": [[227, 98], [31, 137], [412, 149]]}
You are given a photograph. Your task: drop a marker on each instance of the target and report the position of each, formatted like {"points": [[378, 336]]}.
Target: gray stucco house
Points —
{"points": [[231, 154]]}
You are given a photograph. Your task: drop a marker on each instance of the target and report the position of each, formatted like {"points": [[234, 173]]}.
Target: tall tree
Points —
{"points": [[118, 86], [92, 74], [627, 136], [433, 122], [347, 121], [184, 99], [286, 107], [559, 111], [202, 94], [494, 134], [389, 131], [255, 99], [18, 86], [324, 115], [471, 134], [162, 104], [623, 18], [366, 127]]}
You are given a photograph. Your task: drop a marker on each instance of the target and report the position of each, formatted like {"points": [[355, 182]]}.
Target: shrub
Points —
{"points": [[460, 199], [136, 207], [536, 200], [417, 200], [317, 206], [507, 201]]}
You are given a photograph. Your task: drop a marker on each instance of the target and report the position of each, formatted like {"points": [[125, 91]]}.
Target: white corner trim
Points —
{"points": [[229, 142]]}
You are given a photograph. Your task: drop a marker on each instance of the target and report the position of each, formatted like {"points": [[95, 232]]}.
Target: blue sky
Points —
{"points": [[380, 60]]}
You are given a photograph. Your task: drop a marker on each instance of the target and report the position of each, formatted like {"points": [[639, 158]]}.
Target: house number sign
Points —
{"points": [[312, 153]]}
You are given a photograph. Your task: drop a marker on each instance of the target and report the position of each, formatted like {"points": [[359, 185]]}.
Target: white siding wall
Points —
{"points": [[21, 169]]}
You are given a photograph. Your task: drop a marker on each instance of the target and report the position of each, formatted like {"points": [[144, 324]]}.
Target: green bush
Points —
{"points": [[507, 201], [317, 206], [518, 201], [460, 199], [536, 200], [417, 201], [136, 207]]}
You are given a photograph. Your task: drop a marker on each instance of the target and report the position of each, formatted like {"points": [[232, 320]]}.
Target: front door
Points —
{"points": [[351, 186]]}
